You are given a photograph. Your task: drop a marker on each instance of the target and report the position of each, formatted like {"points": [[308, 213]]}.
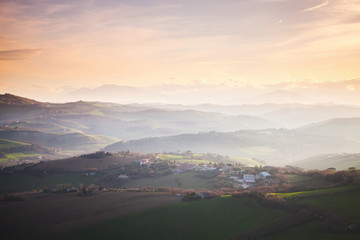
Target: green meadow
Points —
{"points": [[210, 219]]}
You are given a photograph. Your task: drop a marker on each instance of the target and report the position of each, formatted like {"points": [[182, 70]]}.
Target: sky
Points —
{"points": [[54, 46]]}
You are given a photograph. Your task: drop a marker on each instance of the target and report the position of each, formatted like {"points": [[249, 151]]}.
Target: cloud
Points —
{"points": [[316, 7], [19, 54]]}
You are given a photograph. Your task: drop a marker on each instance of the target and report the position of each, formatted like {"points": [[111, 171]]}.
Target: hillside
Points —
{"points": [[81, 164], [61, 142], [273, 146], [340, 127], [301, 115], [338, 161], [119, 121]]}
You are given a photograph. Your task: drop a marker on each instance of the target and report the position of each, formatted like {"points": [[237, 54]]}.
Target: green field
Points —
{"points": [[311, 231], [8, 145], [183, 159], [195, 159], [296, 178], [347, 204], [27, 182], [246, 161], [183, 180], [210, 219], [314, 192], [18, 155], [5, 144]]}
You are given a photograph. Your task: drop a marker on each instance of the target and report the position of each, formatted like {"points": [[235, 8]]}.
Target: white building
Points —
{"points": [[249, 178]]}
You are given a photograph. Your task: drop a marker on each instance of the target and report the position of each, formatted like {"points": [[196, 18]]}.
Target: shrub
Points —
{"points": [[14, 197]]}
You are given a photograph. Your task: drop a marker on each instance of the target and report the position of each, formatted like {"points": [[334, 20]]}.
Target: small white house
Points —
{"points": [[249, 178]]}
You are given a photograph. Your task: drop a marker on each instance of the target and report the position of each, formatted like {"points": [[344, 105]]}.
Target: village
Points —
{"points": [[220, 174]]}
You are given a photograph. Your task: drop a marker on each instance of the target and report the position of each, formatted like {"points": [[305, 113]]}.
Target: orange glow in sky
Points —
{"points": [[88, 43]]}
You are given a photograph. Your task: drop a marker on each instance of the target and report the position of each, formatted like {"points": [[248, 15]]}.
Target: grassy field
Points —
{"points": [[210, 219], [346, 204], [27, 182], [4, 144], [182, 159], [311, 231], [315, 192], [290, 178], [246, 161], [194, 159], [18, 155], [184, 180], [45, 216], [8, 144]]}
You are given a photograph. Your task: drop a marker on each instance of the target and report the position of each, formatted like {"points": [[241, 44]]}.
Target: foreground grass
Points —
{"points": [[28, 182], [210, 219], [183, 180], [314, 192]]}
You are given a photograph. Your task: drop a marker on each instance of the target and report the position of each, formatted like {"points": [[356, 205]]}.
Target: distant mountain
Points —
{"points": [[130, 121], [345, 128], [245, 109], [281, 97], [115, 93], [307, 114]]}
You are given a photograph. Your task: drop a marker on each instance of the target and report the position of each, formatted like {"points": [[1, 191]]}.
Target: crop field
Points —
{"points": [[28, 182], [314, 192], [183, 180], [48, 216], [210, 219]]}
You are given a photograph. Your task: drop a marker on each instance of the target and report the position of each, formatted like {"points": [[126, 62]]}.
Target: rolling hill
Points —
{"points": [[120, 121], [275, 146], [338, 161]]}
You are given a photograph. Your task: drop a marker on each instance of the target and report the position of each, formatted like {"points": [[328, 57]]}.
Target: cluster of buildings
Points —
{"points": [[249, 180]]}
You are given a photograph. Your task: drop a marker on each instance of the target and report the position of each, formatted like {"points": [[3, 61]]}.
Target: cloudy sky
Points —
{"points": [[54, 46]]}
